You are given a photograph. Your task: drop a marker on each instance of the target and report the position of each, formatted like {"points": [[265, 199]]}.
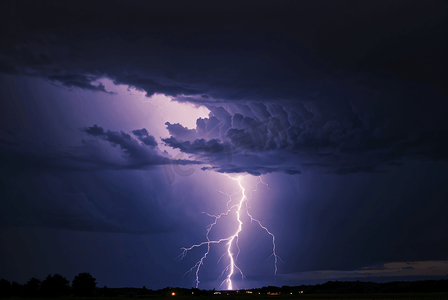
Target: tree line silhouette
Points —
{"points": [[85, 285], [52, 286]]}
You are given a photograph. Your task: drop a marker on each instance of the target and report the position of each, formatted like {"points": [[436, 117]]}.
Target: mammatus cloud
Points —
{"points": [[281, 98], [260, 138]]}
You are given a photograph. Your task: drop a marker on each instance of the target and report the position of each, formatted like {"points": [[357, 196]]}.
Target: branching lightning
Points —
{"points": [[231, 241]]}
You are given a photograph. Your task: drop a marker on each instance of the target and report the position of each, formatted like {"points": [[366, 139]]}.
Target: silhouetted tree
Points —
{"points": [[84, 285], [55, 285], [32, 288], [5, 288], [286, 289], [16, 289], [145, 290]]}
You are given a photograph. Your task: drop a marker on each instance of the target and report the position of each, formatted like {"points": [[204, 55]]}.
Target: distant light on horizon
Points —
{"points": [[232, 240]]}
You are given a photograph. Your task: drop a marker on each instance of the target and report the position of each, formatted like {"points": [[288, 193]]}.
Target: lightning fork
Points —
{"points": [[231, 240]]}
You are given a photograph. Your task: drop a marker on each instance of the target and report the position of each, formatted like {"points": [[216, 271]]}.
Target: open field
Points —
{"points": [[403, 296], [379, 296]]}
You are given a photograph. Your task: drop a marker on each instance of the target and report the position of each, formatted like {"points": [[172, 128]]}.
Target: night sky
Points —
{"points": [[125, 125]]}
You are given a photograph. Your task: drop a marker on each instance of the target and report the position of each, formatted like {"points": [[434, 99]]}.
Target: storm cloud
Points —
{"points": [[292, 138], [339, 106], [275, 92]]}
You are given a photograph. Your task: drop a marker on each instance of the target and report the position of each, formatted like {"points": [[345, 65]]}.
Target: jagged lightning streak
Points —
{"points": [[232, 240]]}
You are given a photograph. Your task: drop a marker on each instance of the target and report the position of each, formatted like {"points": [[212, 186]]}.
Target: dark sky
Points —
{"points": [[124, 126]]}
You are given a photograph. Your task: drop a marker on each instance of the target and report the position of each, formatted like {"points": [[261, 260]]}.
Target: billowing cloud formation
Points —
{"points": [[80, 81], [93, 154], [351, 88], [143, 136], [286, 93], [266, 137], [135, 154]]}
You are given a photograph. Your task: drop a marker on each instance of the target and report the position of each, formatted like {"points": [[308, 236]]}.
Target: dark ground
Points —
{"points": [[389, 296]]}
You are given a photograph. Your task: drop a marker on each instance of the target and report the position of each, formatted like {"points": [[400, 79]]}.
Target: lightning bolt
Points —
{"points": [[231, 241]]}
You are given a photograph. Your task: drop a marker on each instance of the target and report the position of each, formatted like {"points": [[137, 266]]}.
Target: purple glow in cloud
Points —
{"points": [[117, 131]]}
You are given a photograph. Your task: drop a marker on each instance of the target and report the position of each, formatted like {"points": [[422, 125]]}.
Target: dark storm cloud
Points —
{"points": [[90, 155], [72, 188], [131, 148], [83, 82], [144, 136], [177, 130], [225, 50], [360, 169], [350, 88], [136, 155], [355, 87], [291, 137], [95, 130], [198, 146], [253, 170]]}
